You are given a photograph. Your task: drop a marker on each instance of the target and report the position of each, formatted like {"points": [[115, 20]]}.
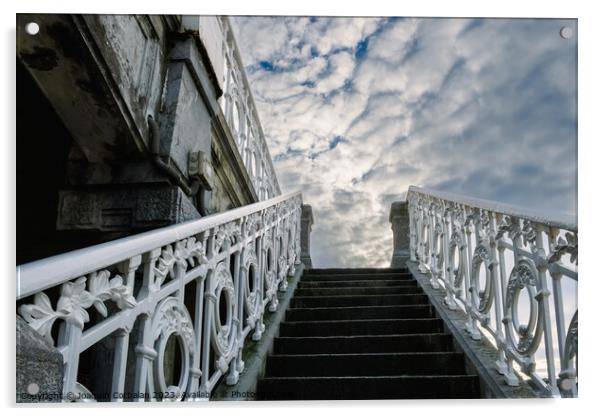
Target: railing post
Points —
{"points": [[122, 338], [471, 326], [237, 365], [544, 294], [400, 225], [307, 220]]}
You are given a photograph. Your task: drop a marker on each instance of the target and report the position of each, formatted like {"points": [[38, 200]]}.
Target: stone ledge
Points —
{"points": [[143, 206]]}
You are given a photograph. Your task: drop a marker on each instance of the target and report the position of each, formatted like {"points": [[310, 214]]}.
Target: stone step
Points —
{"points": [[361, 291], [357, 283], [365, 300], [356, 276], [368, 270], [359, 312], [363, 344], [360, 327], [363, 334], [367, 388], [367, 364]]}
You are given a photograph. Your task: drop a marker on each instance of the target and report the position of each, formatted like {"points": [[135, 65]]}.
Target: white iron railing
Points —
{"points": [[205, 282], [485, 255], [238, 106]]}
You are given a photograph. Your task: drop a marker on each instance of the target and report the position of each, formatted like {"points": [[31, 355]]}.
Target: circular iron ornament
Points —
{"points": [[171, 318], [270, 278], [223, 337], [253, 300], [438, 246], [455, 246], [424, 241], [481, 299], [523, 277]]}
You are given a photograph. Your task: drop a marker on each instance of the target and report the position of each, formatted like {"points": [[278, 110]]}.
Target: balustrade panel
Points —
{"points": [[202, 286], [242, 118], [514, 275]]}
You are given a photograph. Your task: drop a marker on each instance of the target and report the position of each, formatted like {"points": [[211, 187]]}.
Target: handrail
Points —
{"points": [[206, 282], [483, 254], [41, 274], [559, 221]]}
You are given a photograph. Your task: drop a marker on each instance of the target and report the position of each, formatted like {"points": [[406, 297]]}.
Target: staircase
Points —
{"points": [[363, 334]]}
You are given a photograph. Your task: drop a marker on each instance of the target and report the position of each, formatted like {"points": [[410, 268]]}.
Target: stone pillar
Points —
{"points": [[307, 220], [39, 367], [400, 224]]}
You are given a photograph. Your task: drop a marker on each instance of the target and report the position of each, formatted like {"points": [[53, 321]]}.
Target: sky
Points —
{"points": [[355, 110]]}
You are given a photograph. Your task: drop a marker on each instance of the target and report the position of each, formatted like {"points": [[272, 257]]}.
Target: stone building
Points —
{"points": [[129, 123]]}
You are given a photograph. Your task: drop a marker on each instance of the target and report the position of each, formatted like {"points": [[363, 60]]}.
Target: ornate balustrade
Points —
{"points": [[239, 109], [487, 257], [205, 283]]}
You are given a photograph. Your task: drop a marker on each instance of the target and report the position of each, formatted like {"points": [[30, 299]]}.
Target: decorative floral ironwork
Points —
{"points": [[228, 232], [508, 225], [102, 289], [564, 246], [74, 300], [529, 233]]}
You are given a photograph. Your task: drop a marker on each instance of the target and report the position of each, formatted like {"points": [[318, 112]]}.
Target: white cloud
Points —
{"points": [[484, 108]]}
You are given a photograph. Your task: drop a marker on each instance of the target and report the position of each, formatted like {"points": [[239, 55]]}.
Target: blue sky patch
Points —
{"points": [[361, 48]]}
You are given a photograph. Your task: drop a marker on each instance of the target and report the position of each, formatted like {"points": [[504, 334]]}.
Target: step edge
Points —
{"points": [[363, 306], [417, 334], [357, 296], [364, 320], [366, 281], [363, 288], [402, 354], [401, 376]]}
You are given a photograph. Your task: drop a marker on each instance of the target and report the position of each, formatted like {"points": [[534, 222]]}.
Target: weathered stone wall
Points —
{"points": [[111, 79], [400, 225]]}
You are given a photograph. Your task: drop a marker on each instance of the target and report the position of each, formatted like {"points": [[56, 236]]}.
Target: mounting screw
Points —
{"points": [[566, 32], [33, 389], [32, 28]]}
